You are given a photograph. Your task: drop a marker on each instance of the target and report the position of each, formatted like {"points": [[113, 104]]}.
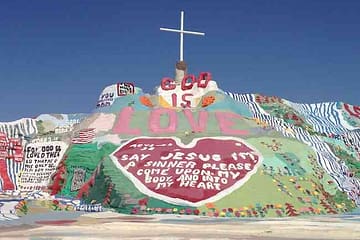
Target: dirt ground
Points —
{"points": [[108, 225]]}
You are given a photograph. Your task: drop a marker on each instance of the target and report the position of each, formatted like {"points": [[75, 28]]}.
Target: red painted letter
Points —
{"points": [[186, 103], [185, 85], [204, 79], [167, 84]]}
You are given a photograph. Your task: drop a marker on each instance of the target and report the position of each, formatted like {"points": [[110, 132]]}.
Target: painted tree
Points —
{"points": [[327, 206], [101, 189], [85, 188], [58, 179], [110, 188], [290, 210]]}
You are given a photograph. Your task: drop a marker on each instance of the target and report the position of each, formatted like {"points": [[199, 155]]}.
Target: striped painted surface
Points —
{"points": [[248, 99], [84, 136], [324, 118], [21, 129]]}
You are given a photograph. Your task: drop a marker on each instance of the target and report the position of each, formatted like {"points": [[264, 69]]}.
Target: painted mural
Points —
{"points": [[191, 149]]}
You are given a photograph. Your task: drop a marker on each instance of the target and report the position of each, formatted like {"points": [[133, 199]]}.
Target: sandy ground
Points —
{"points": [[108, 225]]}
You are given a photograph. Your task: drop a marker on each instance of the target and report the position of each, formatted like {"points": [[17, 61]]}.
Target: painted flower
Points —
{"points": [[146, 101], [210, 205], [134, 211], [207, 101], [196, 211], [278, 206], [188, 211]]}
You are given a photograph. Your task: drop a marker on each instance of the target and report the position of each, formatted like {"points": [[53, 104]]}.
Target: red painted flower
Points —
{"points": [[134, 211], [196, 211], [188, 211]]}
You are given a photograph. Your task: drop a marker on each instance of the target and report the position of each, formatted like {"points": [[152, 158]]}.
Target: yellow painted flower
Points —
{"points": [[317, 210], [278, 206], [222, 214]]}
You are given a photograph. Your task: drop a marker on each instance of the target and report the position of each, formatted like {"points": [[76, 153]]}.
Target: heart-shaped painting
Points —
{"points": [[202, 171]]}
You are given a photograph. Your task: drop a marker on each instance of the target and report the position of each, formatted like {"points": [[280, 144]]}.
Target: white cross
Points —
{"points": [[182, 31]]}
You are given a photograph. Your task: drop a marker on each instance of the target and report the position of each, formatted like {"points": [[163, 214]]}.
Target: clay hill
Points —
{"points": [[189, 148]]}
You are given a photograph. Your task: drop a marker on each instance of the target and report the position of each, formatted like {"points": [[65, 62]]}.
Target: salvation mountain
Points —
{"points": [[189, 148]]}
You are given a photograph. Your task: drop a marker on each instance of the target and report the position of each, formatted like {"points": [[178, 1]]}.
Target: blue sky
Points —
{"points": [[57, 56]]}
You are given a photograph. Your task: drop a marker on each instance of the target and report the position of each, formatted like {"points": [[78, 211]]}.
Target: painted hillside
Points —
{"points": [[189, 148]]}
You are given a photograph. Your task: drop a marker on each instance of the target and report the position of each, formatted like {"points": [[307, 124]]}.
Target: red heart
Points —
{"points": [[204, 170]]}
